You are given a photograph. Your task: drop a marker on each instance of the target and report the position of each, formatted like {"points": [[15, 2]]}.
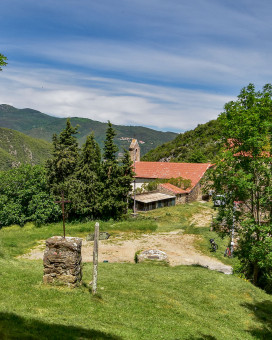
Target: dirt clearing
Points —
{"points": [[179, 248]]}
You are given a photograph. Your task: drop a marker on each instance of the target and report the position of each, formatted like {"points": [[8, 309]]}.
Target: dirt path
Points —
{"points": [[178, 247]]}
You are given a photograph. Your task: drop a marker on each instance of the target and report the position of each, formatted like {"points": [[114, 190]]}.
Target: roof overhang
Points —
{"points": [[152, 197]]}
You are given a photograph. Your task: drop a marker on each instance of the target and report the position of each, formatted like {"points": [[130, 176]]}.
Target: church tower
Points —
{"points": [[134, 151]]}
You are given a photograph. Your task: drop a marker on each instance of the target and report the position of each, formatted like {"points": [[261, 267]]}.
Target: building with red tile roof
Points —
{"points": [[165, 170], [149, 171]]}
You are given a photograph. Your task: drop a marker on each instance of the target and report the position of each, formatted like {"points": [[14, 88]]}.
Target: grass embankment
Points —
{"points": [[135, 301]]}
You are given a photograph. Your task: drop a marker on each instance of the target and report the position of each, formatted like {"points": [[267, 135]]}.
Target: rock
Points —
{"points": [[62, 261], [152, 254]]}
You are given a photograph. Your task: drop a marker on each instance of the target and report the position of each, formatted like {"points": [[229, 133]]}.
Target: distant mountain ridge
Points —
{"points": [[200, 145], [40, 125], [17, 148]]}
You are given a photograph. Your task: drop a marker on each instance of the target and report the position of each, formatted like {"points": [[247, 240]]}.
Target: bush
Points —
{"points": [[24, 196]]}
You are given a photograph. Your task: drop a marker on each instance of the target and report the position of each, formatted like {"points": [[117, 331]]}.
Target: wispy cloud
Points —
{"points": [[122, 102], [169, 64], [220, 67]]}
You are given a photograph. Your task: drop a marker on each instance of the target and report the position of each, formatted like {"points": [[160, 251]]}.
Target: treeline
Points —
{"points": [[200, 145], [96, 184]]}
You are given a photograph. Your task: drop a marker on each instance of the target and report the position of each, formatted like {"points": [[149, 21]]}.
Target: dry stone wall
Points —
{"points": [[62, 261]]}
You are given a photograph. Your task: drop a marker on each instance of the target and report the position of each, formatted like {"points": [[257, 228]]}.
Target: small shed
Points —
{"points": [[150, 201]]}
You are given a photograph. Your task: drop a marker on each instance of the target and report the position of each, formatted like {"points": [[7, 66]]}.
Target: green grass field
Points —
{"points": [[134, 301]]}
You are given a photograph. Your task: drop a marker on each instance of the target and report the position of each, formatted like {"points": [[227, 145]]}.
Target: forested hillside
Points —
{"points": [[17, 148], [197, 146], [39, 125]]}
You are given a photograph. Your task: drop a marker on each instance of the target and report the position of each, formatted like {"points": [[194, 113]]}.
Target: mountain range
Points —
{"points": [[26, 135], [39, 125], [32, 145]]}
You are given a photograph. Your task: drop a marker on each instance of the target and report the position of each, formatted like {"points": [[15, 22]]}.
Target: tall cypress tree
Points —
{"points": [[126, 178], [110, 149], [112, 202], [62, 166], [87, 173]]}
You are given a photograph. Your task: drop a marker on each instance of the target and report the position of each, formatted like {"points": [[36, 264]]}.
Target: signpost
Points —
{"points": [[95, 258]]}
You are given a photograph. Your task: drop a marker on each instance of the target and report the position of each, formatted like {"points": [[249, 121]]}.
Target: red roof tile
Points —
{"points": [[192, 171], [174, 189]]}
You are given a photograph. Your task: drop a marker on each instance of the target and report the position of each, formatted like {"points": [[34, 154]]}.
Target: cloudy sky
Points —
{"points": [[167, 64]]}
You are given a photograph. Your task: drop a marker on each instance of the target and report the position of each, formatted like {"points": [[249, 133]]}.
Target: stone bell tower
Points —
{"points": [[134, 151]]}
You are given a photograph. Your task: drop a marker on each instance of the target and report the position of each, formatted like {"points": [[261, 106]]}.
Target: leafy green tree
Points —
{"points": [[197, 157], [2, 61], [25, 196], [243, 173], [87, 172]]}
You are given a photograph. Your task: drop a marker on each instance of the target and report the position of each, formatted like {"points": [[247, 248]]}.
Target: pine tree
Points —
{"points": [[113, 199], [126, 178], [62, 166], [87, 173], [110, 149]]}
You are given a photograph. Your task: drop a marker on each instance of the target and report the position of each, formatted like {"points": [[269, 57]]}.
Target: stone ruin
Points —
{"points": [[62, 261], [152, 254]]}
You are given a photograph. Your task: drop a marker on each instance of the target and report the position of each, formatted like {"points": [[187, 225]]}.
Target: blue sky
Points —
{"points": [[165, 64]]}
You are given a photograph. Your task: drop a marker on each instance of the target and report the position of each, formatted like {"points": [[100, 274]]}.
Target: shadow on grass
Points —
{"points": [[263, 313], [14, 327]]}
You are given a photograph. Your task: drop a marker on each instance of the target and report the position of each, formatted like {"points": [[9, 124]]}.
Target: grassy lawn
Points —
{"points": [[177, 217], [134, 301]]}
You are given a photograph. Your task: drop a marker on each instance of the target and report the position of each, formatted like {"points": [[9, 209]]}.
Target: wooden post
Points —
{"points": [[95, 258]]}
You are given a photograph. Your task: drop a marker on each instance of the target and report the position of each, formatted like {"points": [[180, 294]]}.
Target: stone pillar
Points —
{"points": [[62, 261], [134, 151]]}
